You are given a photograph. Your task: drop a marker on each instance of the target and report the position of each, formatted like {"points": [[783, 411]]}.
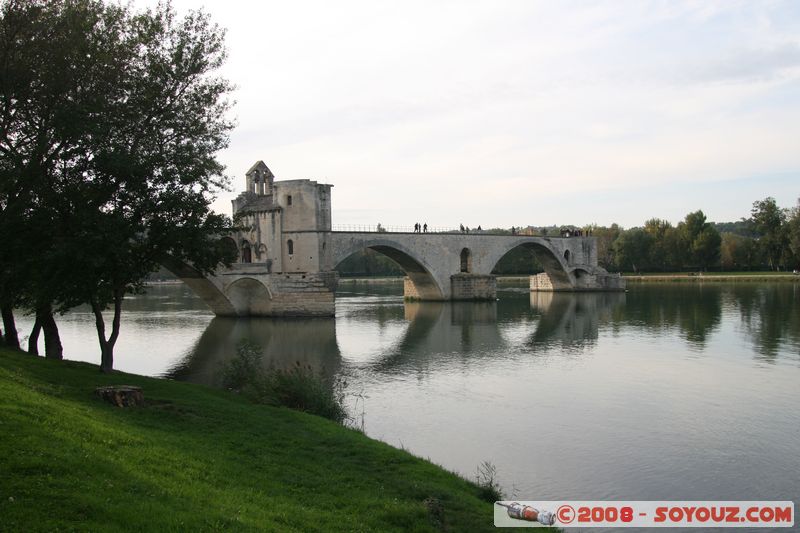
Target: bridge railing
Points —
{"points": [[379, 228]]}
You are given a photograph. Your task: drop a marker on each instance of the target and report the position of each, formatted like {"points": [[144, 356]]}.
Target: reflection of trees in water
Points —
{"points": [[695, 311], [770, 315], [283, 342], [167, 298]]}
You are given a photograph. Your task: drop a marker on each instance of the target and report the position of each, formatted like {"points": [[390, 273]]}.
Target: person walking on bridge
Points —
{"points": [[425, 228]]}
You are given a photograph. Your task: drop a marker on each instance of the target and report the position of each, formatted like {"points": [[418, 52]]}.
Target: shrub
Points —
{"points": [[298, 387], [486, 479]]}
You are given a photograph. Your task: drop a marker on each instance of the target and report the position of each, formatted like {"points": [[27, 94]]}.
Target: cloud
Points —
{"points": [[748, 65], [515, 112]]}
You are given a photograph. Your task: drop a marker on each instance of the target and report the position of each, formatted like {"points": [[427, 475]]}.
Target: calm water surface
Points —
{"points": [[670, 391]]}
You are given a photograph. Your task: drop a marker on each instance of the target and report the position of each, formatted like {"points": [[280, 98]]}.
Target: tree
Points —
{"points": [[661, 250], [701, 240], [605, 244], [693, 225], [55, 60], [737, 252], [674, 248], [769, 221], [632, 248], [129, 168], [705, 248], [793, 231]]}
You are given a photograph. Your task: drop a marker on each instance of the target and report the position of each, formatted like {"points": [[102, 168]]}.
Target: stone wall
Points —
{"points": [[541, 282], [610, 282], [250, 291], [473, 287], [303, 294], [600, 280], [410, 290]]}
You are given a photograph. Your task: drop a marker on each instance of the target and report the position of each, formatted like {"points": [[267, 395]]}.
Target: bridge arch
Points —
{"points": [[420, 274], [466, 260], [554, 262], [249, 297], [210, 292]]}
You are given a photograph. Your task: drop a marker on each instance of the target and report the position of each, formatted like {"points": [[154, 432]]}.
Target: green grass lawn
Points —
{"points": [[197, 458]]}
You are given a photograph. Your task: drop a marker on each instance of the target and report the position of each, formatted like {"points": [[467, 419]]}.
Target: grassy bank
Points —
{"points": [[201, 459], [712, 276]]}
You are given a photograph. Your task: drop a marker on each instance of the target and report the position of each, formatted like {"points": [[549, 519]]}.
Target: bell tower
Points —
{"points": [[259, 179]]}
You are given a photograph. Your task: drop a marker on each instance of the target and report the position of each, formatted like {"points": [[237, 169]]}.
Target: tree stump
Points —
{"points": [[121, 395]]}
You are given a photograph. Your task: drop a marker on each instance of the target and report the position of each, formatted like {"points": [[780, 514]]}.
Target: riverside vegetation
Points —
{"points": [[298, 387], [196, 458]]}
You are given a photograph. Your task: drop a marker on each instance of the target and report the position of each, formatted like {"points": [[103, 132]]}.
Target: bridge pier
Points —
{"points": [[473, 287], [462, 287], [581, 281], [251, 290], [421, 286]]}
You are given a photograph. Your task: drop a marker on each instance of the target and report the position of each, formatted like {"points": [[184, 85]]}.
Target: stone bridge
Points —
{"points": [[288, 255], [445, 266], [458, 266]]}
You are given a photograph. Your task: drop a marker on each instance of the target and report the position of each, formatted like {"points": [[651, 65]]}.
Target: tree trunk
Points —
{"points": [[107, 345], [52, 340], [33, 340], [10, 327]]}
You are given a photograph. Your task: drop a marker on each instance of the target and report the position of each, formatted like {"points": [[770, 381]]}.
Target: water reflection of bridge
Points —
{"points": [[435, 333], [284, 342]]}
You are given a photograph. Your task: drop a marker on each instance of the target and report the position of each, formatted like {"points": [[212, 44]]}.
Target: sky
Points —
{"points": [[501, 113]]}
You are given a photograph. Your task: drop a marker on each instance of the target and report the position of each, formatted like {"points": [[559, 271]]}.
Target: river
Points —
{"points": [[683, 391]]}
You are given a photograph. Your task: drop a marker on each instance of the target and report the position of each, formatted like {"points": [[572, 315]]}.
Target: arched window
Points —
{"points": [[466, 260], [290, 246], [566, 255], [289, 200], [228, 245], [247, 254]]}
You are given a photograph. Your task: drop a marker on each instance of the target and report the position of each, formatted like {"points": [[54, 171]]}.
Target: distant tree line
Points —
{"points": [[769, 239]]}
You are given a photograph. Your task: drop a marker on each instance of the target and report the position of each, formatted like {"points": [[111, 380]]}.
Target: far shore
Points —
{"points": [[712, 276]]}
